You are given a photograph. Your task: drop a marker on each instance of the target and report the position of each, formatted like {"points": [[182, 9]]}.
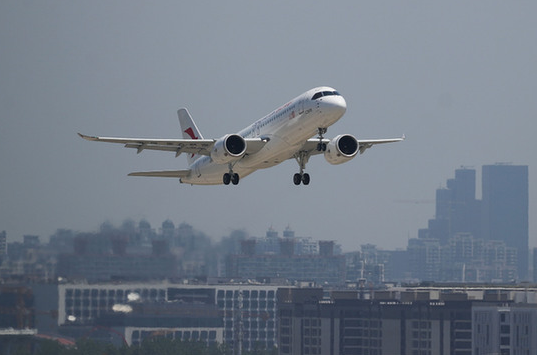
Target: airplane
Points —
{"points": [[286, 133]]}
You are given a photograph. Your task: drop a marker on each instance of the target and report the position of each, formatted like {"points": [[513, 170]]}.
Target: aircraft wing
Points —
{"points": [[166, 173], [178, 146], [193, 146], [368, 143], [254, 145]]}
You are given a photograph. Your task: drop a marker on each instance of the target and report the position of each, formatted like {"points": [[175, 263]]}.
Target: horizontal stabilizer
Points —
{"points": [[167, 173]]}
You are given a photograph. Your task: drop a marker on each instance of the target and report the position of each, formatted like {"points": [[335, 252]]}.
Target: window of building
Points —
{"points": [[212, 335]]}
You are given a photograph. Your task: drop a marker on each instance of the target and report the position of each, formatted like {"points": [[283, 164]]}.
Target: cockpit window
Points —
{"points": [[319, 94]]}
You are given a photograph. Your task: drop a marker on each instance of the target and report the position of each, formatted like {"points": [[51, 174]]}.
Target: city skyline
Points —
{"points": [[458, 78], [455, 205], [469, 240]]}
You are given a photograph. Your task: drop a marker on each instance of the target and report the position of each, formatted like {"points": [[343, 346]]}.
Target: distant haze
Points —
{"points": [[457, 77]]}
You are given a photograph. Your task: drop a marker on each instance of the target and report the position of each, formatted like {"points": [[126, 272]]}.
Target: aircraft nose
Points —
{"points": [[335, 105]]}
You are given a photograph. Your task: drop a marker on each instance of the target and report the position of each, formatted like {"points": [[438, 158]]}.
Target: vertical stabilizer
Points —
{"points": [[189, 129]]}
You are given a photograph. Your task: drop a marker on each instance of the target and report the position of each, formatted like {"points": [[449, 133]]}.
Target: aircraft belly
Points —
{"points": [[274, 152], [211, 174]]}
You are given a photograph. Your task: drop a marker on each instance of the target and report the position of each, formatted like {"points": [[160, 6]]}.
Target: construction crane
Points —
{"points": [[416, 202]]}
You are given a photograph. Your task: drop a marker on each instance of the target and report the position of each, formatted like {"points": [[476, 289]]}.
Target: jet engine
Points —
{"points": [[341, 149], [228, 148]]}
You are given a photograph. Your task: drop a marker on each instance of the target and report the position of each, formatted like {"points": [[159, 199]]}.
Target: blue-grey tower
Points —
{"points": [[505, 209]]}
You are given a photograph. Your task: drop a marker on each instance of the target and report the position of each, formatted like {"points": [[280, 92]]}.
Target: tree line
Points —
{"points": [[161, 346]]}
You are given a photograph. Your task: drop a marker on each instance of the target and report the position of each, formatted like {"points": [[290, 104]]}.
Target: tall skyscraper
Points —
{"points": [[456, 208], [3, 246], [505, 209]]}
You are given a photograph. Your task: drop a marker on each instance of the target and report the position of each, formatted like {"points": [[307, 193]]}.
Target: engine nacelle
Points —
{"points": [[228, 148], [341, 149]]}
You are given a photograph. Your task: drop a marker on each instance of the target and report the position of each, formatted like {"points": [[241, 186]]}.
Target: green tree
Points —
{"points": [[51, 347]]}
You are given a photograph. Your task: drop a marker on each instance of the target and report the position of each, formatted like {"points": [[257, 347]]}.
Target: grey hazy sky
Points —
{"points": [[457, 77]]}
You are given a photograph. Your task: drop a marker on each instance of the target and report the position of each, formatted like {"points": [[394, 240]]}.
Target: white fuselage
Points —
{"points": [[286, 129]]}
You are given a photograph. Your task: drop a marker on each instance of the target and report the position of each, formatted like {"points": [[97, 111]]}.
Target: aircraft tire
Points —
{"points": [[306, 179], [297, 179], [226, 179], [235, 179]]}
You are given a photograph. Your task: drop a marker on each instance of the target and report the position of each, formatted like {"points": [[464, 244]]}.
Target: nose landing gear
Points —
{"points": [[321, 146]]}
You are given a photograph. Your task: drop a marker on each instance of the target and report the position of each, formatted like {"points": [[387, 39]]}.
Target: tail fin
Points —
{"points": [[189, 129]]}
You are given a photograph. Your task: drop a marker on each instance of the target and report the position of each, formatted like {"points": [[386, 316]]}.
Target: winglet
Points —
{"points": [[88, 138]]}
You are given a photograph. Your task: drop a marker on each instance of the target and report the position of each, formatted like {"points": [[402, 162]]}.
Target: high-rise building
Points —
{"points": [[505, 209], [3, 246], [534, 265], [425, 259], [456, 208], [321, 268], [483, 239]]}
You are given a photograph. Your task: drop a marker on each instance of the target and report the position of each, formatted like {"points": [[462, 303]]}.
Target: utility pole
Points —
{"points": [[239, 320]]}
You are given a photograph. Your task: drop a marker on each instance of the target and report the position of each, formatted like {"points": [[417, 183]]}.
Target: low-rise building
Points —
{"points": [[504, 329], [240, 315], [434, 320]]}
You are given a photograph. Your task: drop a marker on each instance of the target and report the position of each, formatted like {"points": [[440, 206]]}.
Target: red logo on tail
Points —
{"points": [[190, 132]]}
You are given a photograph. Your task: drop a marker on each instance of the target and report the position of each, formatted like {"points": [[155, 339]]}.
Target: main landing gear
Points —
{"points": [[302, 159], [303, 156], [304, 178], [230, 177]]}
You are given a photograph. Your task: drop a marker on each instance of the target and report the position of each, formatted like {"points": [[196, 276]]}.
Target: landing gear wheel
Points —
{"points": [[226, 179], [306, 179], [302, 158], [235, 179], [321, 147]]}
